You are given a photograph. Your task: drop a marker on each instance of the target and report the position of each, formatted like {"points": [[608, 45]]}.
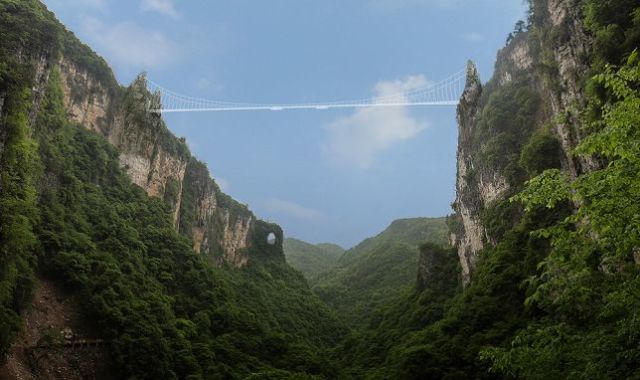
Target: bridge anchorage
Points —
{"points": [[446, 92]]}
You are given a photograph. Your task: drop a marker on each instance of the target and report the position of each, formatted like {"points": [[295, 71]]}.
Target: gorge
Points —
{"points": [[121, 257]]}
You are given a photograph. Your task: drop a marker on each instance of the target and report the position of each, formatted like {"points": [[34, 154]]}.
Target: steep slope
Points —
{"points": [[311, 260], [546, 219], [153, 158], [379, 268], [372, 351], [176, 279], [526, 119]]}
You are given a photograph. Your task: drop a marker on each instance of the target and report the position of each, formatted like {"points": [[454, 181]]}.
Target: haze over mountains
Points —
{"points": [[379, 268], [311, 259]]}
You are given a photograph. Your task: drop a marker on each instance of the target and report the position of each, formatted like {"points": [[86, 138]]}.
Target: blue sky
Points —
{"points": [[324, 176]]}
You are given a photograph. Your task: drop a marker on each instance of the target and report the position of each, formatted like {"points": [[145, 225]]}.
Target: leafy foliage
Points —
{"points": [[70, 212], [19, 167], [541, 152], [588, 284], [556, 293], [167, 312]]}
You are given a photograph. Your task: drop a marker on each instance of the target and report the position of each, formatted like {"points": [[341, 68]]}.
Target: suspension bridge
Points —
{"points": [[446, 92]]}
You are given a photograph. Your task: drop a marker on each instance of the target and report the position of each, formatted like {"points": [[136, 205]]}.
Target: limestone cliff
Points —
{"points": [[153, 157], [219, 226], [536, 88], [468, 236], [569, 48], [487, 145]]}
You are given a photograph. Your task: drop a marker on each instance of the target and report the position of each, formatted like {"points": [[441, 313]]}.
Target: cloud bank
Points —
{"points": [[355, 140], [130, 44], [291, 209], [165, 7]]}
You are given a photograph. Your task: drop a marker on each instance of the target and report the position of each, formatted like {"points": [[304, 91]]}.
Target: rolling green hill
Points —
{"points": [[310, 259], [379, 268]]}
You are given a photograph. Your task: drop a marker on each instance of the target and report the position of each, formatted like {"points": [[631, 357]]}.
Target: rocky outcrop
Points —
{"points": [[153, 157], [88, 100], [468, 236], [235, 237], [220, 226], [563, 85], [479, 184], [428, 264], [41, 78], [127, 124], [551, 64]]}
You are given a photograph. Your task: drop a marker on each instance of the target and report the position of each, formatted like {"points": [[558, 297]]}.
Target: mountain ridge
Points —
{"points": [[379, 268], [311, 259]]}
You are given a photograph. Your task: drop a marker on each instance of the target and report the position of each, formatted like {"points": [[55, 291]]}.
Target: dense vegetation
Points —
{"points": [[166, 311], [378, 269], [555, 294], [311, 259], [587, 288], [70, 213], [19, 165]]}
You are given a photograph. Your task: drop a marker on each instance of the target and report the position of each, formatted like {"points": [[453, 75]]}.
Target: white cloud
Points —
{"points": [[130, 44], [355, 140], [473, 37], [165, 7], [292, 209], [223, 184], [100, 5]]}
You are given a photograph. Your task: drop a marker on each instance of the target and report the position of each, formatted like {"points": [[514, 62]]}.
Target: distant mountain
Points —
{"points": [[310, 259], [379, 268]]}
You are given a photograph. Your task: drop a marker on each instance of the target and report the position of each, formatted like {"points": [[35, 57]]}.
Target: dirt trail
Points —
{"points": [[54, 316]]}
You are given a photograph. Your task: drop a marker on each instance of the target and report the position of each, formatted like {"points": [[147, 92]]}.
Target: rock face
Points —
{"points": [[219, 226], [469, 236], [154, 159], [564, 87], [549, 64], [126, 124], [479, 184]]}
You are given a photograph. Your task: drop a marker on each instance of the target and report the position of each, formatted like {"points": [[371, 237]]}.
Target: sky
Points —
{"points": [[324, 175]]}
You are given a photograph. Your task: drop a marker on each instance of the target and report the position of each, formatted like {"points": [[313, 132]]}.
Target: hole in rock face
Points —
{"points": [[271, 238]]}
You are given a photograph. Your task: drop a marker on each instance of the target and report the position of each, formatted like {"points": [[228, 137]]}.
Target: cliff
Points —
{"points": [[530, 106], [153, 157], [548, 256], [100, 200]]}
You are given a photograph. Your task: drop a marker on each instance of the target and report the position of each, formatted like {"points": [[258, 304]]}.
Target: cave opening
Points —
{"points": [[271, 238]]}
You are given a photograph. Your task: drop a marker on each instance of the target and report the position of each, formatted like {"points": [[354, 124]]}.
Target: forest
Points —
{"points": [[555, 292]]}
